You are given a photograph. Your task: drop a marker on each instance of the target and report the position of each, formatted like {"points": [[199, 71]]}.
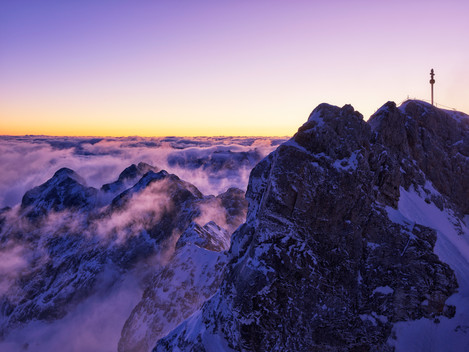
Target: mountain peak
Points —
{"points": [[180, 190], [65, 172], [319, 245], [129, 175], [326, 112], [433, 138], [333, 131], [65, 190], [134, 171]]}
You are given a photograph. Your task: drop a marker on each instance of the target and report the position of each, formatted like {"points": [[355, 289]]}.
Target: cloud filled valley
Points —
{"points": [[86, 223]]}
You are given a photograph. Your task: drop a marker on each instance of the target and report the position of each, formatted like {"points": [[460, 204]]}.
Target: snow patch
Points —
{"points": [[316, 116], [453, 249], [347, 164], [368, 317]]}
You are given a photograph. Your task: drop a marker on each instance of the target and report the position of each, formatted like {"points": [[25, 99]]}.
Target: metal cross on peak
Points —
{"points": [[432, 81]]}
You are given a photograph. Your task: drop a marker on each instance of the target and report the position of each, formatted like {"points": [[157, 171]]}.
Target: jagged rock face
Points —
{"points": [[180, 190], [53, 283], [129, 175], [236, 205], [191, 277], [436, 139], [319, 266], [65, 190], [173, 198]]}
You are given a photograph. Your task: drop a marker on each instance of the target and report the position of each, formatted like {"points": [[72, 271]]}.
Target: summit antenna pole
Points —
{"points": [[432, 81]]}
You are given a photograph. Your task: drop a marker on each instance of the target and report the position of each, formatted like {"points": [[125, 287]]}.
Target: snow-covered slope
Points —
{"points": [[452, 247], [191, 277]]}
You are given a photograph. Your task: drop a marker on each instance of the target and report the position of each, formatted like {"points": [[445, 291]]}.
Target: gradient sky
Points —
{"points": [[179, 67]]}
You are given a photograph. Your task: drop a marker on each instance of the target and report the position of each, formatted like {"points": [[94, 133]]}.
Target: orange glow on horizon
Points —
{"points": [[220, 68], [77, 129]]}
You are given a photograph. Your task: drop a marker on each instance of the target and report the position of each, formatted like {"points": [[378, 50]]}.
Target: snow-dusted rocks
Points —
{"points": [[62, 247], [211, 237], [128, 177], [65, 190], [191, 276], [321, 263], [355, 236], [436, 140]]}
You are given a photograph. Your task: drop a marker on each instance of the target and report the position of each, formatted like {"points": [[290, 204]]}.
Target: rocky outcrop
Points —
{"points": [[191, 276], [319, 265], [235, 205], [210, 236], [437, 140], [65, 190], [128, 177]]}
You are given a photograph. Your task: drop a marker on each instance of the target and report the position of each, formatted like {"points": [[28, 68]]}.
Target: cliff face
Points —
{"points": [[437, 140], [322, 263]]}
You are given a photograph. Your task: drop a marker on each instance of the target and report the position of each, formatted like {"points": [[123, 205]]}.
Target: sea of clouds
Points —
{"points": [[212, 164], [28, 161]]}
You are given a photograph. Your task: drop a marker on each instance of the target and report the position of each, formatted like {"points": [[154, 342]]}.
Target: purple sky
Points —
{"points": [[220, 67]]}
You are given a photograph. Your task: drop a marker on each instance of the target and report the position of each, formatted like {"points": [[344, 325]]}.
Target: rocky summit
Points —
{"points": [[323, 263]]}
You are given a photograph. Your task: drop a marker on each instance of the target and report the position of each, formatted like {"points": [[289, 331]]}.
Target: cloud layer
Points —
{"points": [[62, 254], [30, 160]]}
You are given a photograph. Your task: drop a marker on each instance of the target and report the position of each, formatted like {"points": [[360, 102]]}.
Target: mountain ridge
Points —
{"points": [[71, 248], [320, 264]]}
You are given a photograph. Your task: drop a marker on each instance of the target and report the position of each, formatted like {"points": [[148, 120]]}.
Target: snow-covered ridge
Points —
{"points": [[186, 282]]}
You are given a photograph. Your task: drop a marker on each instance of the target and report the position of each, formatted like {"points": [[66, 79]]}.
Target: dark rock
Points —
{"points": [[235, 205], [129, 175], [437, 140], [319, 266], [65, 190]]}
